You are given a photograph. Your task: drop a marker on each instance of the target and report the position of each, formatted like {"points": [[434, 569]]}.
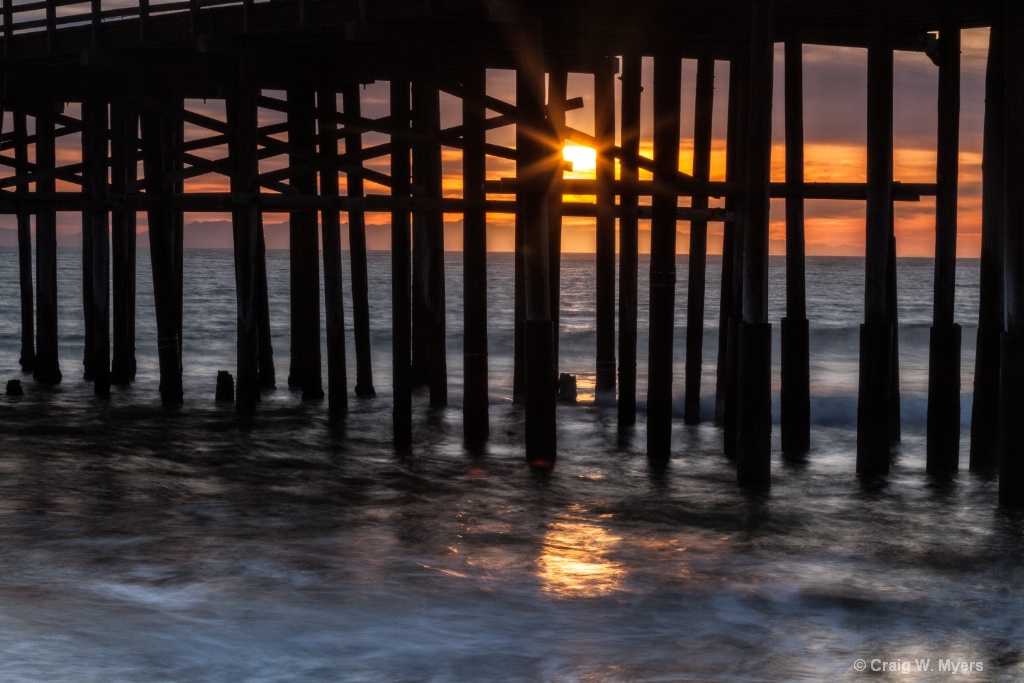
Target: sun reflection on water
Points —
{"points": [[576, 562]]}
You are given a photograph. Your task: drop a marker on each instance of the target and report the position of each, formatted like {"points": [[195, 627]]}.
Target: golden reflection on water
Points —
{"points": [[576, 562]]}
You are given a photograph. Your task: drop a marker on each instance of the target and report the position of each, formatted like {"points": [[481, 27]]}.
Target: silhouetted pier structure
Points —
{"points": [[133, 65]]}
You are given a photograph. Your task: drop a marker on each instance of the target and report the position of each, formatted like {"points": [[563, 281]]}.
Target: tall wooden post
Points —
{"points": [[428, 241], [88, 307], [28, 335], [754, 407], [985, 410], [796, 381], [330, 222], [401, 346], [267, 374], [475, 413], [178, 264], [158, 152], [944, 357], [519, 259], [702, 129], [667, 93], [876, 333], [304, 247], [604, 132], [1011, 389], [124, 126], [242, 114], [538, 160], [732, 252], [96, 224], [47, 367], [357, 250], [558, 83], [628, 237]]}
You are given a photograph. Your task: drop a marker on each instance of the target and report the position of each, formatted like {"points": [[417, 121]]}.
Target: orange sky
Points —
{"points": [[835, 115]]}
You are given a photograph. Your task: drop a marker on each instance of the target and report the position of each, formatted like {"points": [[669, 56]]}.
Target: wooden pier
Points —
{"points": [[132, 69]]}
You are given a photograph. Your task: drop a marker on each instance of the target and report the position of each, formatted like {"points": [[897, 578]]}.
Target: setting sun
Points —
{"points": [[583, 159]]}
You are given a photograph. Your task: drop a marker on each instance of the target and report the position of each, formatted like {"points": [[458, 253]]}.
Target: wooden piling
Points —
{"points": [[28, 336], [88, 327], [667, 74], [267, 374], [96, 224], [519, 259], [754, 371], [697, 270], [877, 331], [604, 132], [428, 242], [732, 252], [178, 225], [124, 126], [558, 84], [475, 413], [243, 124], [330, 225], [401, 346], [985, 409], [1011, 391], [538, 160], [158, 134], [47, 367], [795, 417], [628, 237], [357, 251], [304, 248], [943, 445]]}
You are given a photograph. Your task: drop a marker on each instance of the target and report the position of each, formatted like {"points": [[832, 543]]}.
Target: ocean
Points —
{"points": [[144, 545]]}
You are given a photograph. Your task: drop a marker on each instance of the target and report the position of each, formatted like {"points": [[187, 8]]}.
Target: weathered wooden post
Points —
{"points": [[604, 133], [796, 382], [697, 276], [754, 372], [519, 259], [28, 335], [401, 346], [876, 333], [558, 84], [124, 126], [357, 249], [985, 410], [268, 377], [96, 225], [158, 152], [538, 159], [304, 247], [1011, 388], [628, 237], [330, 222], [428, 243], [243, 124], [732, 251], [944, 358], [47, 367], [476, 417], [667, 93]]}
